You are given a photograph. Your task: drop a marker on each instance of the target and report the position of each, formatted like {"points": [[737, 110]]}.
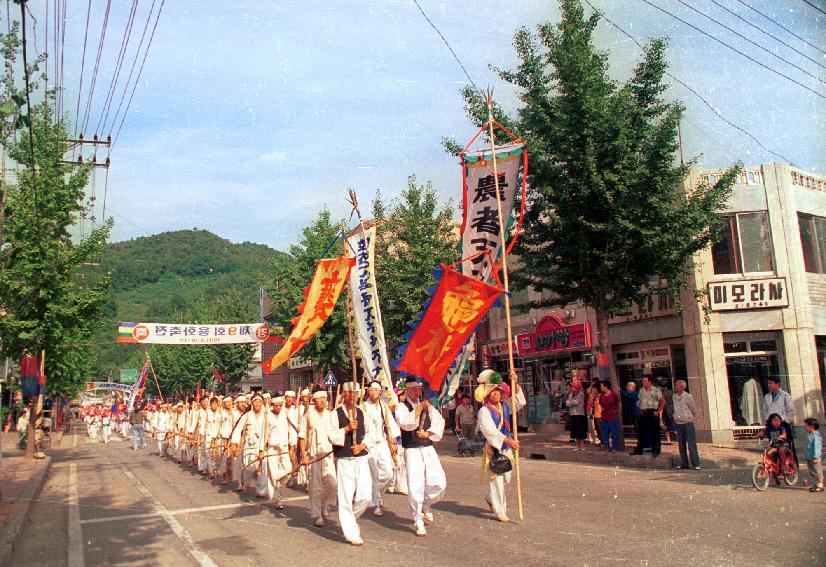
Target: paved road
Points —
{"points": [[105, 504]]}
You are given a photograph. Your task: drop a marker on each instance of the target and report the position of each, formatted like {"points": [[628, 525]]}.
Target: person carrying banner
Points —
{"points": [[277, 462], [494, 420], [421, 425], [253, 428], [381, 443], [317, 456], [347, 432]]}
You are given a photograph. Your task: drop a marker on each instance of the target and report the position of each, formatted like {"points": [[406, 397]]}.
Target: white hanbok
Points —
{"points": [[495, 436], [321, 474], [277, 464], [381, 423], [426, 481], [353, 476], [253, 426]]}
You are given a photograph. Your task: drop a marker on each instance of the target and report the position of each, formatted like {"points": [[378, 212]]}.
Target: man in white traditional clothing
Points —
{"points": [[277, 461], [291, 415], [347, 432], [180, 432], [398, 484], [161, 426], [237, 462], [213, 436], [225, 432], [317, 457], [421, 426], [381, 443], [192, 432], [303, 406], [494, 422], [201, 445], [253, 426]]}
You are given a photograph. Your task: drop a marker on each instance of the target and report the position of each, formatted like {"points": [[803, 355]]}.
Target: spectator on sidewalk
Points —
{"points": [[594, 411], [631, 408], [652, 404], [609, 425], [575, 402], [23, 428], [668, 412], [814, 453], [465, 418], [779, 402], [684, 415]]}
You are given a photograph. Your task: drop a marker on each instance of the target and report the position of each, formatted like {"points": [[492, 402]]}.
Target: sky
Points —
{"points": [[250, 116]]}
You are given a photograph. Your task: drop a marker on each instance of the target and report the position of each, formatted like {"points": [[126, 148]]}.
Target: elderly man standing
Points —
{"points": [[684, 414], [381, 443], [421, 426], [779, 402], [652, 404], [347, 432], [317, 456]]}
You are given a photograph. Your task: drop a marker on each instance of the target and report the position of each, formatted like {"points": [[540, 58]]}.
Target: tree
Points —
{"points": [[290, 275], [50, 300], [415, 234], [606, 211]]}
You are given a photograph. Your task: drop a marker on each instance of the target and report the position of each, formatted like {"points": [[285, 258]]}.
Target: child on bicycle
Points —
{"points": [[779, 433], [813, 451]]}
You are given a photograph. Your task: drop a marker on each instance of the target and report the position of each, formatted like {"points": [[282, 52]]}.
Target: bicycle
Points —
{"points": [[769, 466]]}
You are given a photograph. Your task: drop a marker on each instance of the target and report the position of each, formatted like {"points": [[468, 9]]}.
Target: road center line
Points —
{"points": [[75, 544], [183, 511], [202, 558]]}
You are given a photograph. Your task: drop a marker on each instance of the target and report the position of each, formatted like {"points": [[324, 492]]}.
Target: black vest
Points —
{"points": [[409, 438], [346, 452]]}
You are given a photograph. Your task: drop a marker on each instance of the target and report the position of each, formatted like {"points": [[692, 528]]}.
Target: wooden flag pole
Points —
{"points": [[348, 318], [505, 280], [152, 368]]}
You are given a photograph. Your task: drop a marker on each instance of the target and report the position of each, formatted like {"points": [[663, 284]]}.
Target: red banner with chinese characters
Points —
{"points": [[320, 299], [457, 307]]}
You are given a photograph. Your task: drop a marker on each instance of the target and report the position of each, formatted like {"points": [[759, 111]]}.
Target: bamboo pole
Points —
{"points": [[505, 280], [152, 368]]}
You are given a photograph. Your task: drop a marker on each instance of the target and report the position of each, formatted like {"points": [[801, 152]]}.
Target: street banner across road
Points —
{"points": [[321, 296], [191, 334]]}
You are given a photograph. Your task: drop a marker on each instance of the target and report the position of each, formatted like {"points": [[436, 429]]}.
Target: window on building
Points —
{"points": [[813, 241], [744, 245]]}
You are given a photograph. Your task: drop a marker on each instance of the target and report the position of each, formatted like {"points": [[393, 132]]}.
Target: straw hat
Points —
{"points": [[489, 380]]}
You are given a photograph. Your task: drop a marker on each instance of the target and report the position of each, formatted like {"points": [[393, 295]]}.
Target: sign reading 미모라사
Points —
{"points": [[763, 293]]}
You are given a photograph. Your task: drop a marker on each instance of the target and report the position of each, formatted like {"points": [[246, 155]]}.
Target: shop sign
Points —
{"points": [[500, 348], [297, 362], [748, 294], [553, 335], [659, 304]]}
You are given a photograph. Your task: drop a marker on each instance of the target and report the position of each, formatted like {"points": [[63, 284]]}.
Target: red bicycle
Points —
{"points": [[769, 466]]}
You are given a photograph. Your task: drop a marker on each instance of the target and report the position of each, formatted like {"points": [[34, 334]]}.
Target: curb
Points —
{"points": [[11, 531], [622, 459]]}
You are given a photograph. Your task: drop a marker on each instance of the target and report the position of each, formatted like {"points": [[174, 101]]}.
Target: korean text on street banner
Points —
{"points": [[191, 334]]}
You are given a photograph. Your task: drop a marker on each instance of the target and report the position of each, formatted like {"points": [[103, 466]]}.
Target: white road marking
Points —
{"points": [[75, 550], [202, 558], [184, 511]]}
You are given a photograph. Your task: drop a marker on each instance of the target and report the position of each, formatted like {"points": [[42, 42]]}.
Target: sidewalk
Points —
{"points": [[556, 447], [20, 482]]}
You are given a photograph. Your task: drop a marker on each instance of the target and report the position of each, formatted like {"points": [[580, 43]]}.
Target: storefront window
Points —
{"points": [[748, 374], [813, 241], [820, 344]]}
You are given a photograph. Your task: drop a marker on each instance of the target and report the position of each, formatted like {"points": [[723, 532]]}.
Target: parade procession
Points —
{"points": [[446, 283]]}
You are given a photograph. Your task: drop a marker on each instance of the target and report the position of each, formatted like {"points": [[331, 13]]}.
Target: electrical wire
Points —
{"points": [[723, 43], [691, 89], [82, 65], [456, 57], [781, 26], [816, 7], [124, 45], [754, 43], [774, 37], [140, 71], [89, 101]]}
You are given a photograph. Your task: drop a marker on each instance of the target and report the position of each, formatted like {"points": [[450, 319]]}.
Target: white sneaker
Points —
{"points": [[378, 511], [420, 529], [428, 517]]}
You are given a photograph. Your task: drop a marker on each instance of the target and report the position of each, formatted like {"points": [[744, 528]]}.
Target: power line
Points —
{"points": [[456, 57], [818, 8], [723, 43], [690, 89], [82, 65], [774, 37], [781, 26], [140, 71], [754, 43], [103, 28], [124, 45]]}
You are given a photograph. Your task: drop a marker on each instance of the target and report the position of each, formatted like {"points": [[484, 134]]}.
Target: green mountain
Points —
{"points": [[156, 278]]}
